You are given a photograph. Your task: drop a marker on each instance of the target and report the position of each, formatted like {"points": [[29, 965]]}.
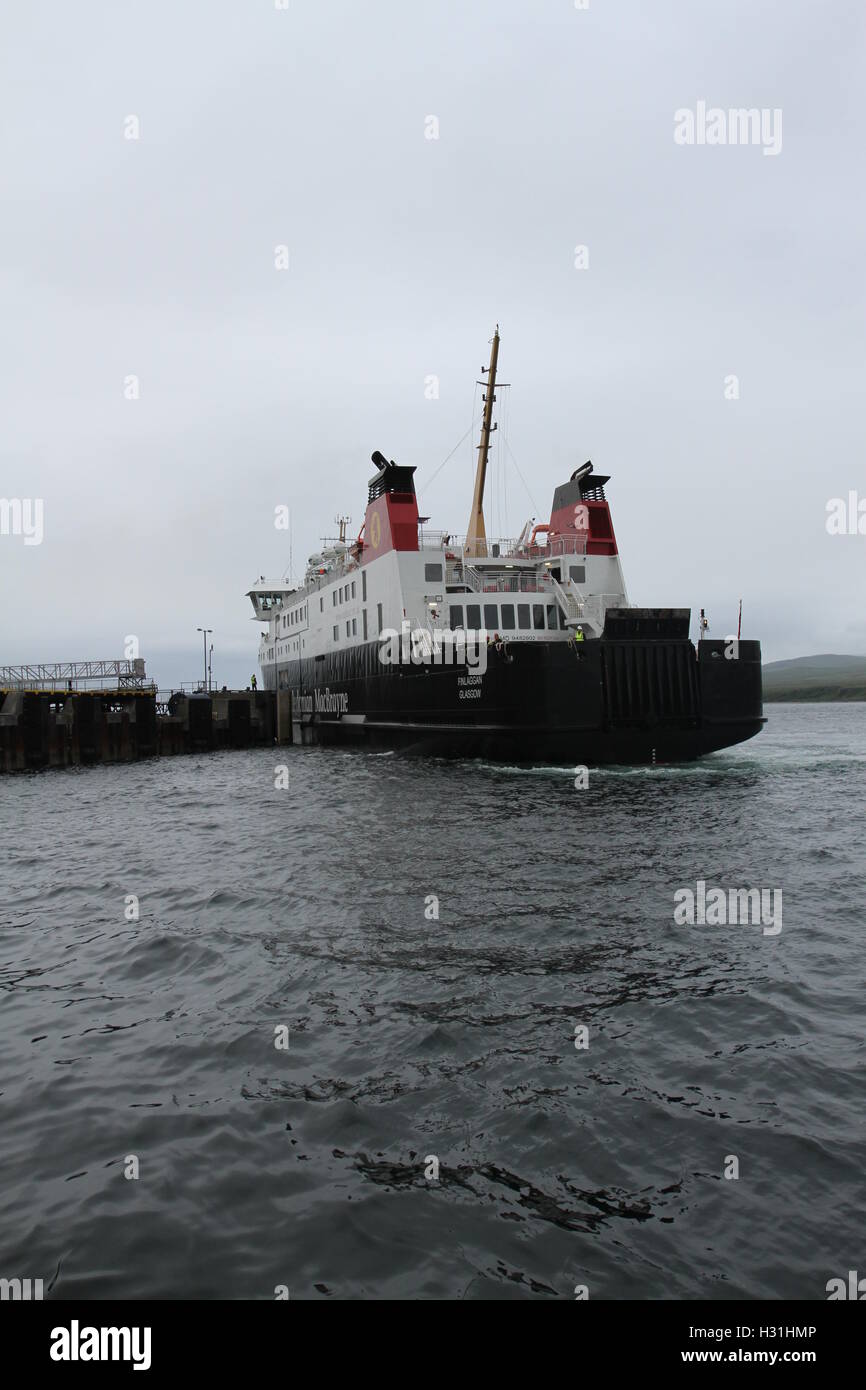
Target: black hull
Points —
{"points": [[607, 701], [574, 748]]}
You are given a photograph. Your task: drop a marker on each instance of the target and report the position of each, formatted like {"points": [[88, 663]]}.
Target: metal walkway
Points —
{"points": [[75, 675]]}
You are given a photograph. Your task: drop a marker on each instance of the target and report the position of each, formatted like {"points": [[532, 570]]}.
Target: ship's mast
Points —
{"points": [[476, 536]]}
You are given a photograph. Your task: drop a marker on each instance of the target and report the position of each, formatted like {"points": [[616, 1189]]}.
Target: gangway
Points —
{"points": [[76, 675]]}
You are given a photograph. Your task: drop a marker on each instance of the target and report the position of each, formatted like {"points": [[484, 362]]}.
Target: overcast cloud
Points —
{"points": [[306, 127]]}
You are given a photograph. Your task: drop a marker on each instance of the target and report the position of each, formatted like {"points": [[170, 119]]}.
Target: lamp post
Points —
{"points": [[204, 636]]}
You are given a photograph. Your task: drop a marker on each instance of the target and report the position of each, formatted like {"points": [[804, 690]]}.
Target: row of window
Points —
{"points": [[515, 617], [505, 617], [345, 593], [342, 594], [352, 624], [297, 615], [297, 646]]}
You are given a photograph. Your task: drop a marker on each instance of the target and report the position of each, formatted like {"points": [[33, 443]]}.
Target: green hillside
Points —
{"points": [[825, 677]]}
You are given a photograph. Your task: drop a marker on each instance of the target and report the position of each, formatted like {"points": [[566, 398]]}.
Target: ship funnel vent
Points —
{"points": [[391, 477], [591, 484]]}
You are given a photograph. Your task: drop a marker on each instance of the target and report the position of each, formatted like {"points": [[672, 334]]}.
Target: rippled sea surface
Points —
{"points": [[412, 1038]]}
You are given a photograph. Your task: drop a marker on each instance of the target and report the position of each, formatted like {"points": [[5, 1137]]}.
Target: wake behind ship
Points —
{"points": [[518, 650]]}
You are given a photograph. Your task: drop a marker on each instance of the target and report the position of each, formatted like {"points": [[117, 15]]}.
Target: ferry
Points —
{"points": [[523, 650]]}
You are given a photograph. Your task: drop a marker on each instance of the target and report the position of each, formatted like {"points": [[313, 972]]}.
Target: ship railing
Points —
{"points": [[574, 543], [439, 540], [503, 548], [520, 582], [434, 540], [492, 548], [567, 545], [570, 602], [587, 609], [314, 581], [558, 545], [591, 609]]}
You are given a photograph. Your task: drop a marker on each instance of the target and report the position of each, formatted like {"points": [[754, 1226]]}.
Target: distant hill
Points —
{"points": [[825, 677]]}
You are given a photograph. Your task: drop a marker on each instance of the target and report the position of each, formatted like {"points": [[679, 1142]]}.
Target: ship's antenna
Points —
{"points": [[289, 573], [476, 535]]}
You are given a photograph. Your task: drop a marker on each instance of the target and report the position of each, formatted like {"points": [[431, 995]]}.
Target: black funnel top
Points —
{"points": [[391, 477]]}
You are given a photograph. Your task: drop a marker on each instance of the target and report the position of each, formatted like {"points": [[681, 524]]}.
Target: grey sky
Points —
{"points": [[306, 127]]}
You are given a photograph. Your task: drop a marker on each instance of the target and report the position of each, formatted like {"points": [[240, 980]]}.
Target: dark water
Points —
{"points": [[412, 1037]]}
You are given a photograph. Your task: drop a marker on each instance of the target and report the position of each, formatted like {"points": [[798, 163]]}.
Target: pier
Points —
{"points": [[81, 714]]}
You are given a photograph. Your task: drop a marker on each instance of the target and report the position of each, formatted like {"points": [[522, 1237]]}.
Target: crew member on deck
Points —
{"points": [[578, 634], [253, 683]]}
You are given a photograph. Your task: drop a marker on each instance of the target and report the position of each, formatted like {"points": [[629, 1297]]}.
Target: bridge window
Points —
{"points": [[538, 616], [508, 616], [456, 615], [433, 574], [552, 621], [491, 616], [473, 617], [523, 615]]}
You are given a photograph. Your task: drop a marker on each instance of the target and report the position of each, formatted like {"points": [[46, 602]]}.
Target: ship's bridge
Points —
{"points": [[269, 597]]}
